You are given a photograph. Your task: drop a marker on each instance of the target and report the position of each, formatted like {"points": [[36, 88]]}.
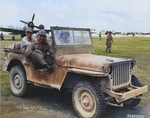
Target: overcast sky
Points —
{"points": [[117, 15]]}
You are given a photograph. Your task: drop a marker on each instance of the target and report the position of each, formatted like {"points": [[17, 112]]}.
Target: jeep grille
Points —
{"points": [[120, 73]]}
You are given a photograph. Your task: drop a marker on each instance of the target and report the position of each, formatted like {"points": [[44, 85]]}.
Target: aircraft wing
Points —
{"points": [[14, 31], [47, 31], [18, 31]]}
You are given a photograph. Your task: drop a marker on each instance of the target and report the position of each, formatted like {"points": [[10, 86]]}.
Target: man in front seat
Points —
{"points": [[37, 52]]}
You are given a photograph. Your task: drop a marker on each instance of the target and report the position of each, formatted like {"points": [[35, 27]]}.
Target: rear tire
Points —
{"points": [[88, 100], [132, 102], [18, 81]]}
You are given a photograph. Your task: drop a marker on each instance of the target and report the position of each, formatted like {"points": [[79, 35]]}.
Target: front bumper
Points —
{"points": [[123, 96]]}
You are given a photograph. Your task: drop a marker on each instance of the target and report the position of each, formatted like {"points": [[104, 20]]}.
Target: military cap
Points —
{"points": [[41, 32], [29, 30]]}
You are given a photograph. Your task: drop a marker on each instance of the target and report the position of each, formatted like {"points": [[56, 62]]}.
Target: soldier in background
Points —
{"points": [[41, 26], [13, 37], [100, 36], [109, 41], [2, 36]]}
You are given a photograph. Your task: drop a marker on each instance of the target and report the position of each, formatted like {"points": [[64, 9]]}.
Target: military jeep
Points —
{"points": [[94, 80]]}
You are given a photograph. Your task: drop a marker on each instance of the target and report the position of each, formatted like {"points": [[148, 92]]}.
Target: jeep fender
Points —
{"points": [[75, 75]]}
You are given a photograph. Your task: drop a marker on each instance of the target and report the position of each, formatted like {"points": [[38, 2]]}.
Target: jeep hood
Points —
{"points": [[88, 61]]}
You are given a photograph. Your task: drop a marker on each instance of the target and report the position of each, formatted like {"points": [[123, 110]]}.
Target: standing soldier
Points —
{"points": [[109, 41], [2, 36], [13, 37], [100, 36]]}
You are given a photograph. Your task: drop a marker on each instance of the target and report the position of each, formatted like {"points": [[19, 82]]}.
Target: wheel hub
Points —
{"points": [[17, 81], [87, 102]]}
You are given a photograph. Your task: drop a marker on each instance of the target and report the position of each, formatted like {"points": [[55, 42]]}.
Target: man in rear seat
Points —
{"points": [[38, 52], [27, 39]]}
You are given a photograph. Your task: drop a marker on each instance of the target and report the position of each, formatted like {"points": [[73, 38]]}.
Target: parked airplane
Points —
{"points": [[22, 31]]}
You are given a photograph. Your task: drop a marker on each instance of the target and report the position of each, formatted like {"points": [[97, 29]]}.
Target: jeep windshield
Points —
{"points": [[67, 40], [72, 37]]}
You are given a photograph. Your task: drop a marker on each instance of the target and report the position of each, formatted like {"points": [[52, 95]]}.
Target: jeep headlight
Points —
{"points": [[132, 65], [110, 70]]}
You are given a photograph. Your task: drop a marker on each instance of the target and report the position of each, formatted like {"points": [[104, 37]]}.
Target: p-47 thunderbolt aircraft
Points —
{"points": [[22, 32]]}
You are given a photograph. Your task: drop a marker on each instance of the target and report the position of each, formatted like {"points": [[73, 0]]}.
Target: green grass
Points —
{"points": [[122, 45], [9, 37], [134, 47], [5, 88], [137, 48], [4, 76]]}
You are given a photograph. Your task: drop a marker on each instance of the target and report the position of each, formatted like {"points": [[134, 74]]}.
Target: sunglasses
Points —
{"points": [[29, 32]]}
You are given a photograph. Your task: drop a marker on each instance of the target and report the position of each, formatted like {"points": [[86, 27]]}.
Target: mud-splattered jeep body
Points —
{"points": [[94, 80]]}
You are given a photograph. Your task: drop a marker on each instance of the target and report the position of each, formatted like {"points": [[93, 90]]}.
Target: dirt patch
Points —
{"points": [[47, 103], [39, 102]]}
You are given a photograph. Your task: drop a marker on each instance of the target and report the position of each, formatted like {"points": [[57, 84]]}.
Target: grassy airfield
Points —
{"points": [[134, 47]]}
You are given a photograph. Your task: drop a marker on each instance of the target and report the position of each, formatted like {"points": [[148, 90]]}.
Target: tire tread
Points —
{"points": [[98, 93], [18, 69]]}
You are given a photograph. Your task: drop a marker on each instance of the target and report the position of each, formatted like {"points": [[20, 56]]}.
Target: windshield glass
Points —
{"points": [[71, 37]]}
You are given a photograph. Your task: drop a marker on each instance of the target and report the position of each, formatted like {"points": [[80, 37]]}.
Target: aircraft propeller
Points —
{"points": [[33, 17], [23, 22], [30, 24]]}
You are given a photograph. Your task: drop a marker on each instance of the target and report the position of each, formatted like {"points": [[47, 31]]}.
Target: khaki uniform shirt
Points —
{"points": [[43, 48], [26, 41]]}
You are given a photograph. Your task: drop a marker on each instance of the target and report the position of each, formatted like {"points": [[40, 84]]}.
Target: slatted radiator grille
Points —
{"points": [[120, 73]]}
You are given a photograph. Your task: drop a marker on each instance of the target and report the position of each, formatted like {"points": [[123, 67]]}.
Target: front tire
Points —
{"points": [[132, 102], [88, 100], [18, 81]]}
